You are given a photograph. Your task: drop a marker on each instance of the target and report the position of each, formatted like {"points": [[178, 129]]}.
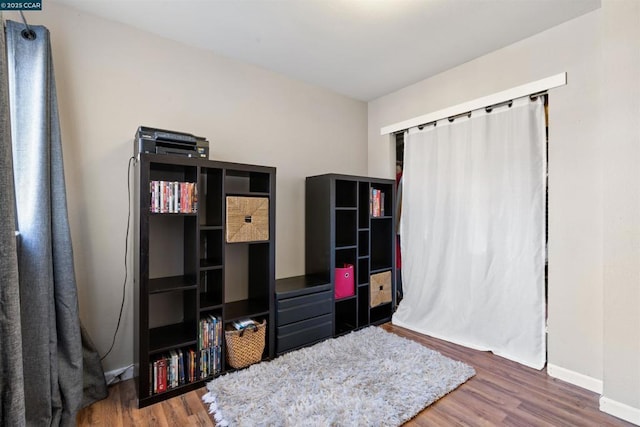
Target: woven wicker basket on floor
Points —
{"points": [[245, 347]]}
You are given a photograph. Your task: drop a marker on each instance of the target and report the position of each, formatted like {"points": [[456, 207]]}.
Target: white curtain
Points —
{"points": [[472, 232]]}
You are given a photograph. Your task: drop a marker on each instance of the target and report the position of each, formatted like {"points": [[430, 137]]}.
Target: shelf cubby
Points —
{"points": [[346, 194], [177, 232], [211, 196], [363, 243], [363, 271], [386, 190], [240, 182], [363, 205], [160, 367], [211, 288], [346, 232], [258, 312], [211, 248], [381, 313], [346, 315], [173, 306], [180, 172], [245, 308], [363, 305], [169, 337], [382, 243], [346, 256]]}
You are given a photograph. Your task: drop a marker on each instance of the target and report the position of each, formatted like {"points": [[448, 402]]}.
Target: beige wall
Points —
{"points": [[112, 78], [621, 136], [594, 204]]}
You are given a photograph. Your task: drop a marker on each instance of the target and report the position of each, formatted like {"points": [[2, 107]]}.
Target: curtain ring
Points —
{"points": [[27, 33]]}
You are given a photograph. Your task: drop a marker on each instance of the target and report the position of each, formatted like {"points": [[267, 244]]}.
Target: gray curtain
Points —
{"points": [[11, 392], [52, 338]]}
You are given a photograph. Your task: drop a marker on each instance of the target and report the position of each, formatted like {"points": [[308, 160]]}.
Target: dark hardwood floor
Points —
{"points": [[502, 393]]}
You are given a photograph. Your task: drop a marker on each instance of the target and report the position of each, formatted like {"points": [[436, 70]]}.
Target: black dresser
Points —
{"points": [[304, 312]]}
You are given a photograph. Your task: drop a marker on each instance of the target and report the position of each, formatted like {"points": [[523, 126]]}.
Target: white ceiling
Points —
{"points": [[360, 48]]}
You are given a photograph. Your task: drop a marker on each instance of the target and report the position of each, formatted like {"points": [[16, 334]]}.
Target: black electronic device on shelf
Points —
{"points": [[160, 141]]}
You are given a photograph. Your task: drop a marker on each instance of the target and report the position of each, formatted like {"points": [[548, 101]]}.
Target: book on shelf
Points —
{"points": [[175, 370], [181, 374], [191, 365], [376, 203], [171, 370], [161, 373]]}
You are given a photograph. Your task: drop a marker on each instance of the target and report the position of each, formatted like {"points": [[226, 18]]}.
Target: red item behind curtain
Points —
{"points": [[398, 254]]}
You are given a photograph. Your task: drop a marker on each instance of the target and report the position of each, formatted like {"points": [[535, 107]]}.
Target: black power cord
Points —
{"points": [[126, 252]]}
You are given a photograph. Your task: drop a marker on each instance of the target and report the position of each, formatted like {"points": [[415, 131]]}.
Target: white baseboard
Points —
{"points": [[575, 378], [119, 374], [608, 406], [620, 410]]}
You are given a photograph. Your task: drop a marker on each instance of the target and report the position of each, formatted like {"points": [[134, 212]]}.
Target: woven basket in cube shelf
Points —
{"points": [[245, 347], [247, 219], [380, 288]]}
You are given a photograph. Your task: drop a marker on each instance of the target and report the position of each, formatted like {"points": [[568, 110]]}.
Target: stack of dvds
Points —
{"points": [[173, 197]]}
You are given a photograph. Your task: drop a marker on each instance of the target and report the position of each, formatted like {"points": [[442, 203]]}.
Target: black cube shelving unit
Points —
{"points": [[185, 271], [350, 220]]}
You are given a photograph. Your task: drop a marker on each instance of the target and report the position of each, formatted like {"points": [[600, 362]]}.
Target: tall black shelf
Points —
{"points": [[186, 271], [342, 227]]}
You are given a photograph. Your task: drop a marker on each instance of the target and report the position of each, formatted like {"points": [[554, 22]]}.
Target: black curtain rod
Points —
{"points": [[488, 109], [459, 116]]}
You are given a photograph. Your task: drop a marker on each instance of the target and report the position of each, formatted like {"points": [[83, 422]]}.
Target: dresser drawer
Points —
{"points": [[303, 333], [304, 307]]}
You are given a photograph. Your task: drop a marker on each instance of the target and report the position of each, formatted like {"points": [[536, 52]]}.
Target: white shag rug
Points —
{"points": [[366, 378]]}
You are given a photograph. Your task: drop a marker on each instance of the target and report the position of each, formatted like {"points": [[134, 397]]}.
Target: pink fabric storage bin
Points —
{"points": [[344, 284]]}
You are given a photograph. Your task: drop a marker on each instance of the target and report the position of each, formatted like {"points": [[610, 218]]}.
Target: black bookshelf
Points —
{"points": [[346, 225], [185, 271]]}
